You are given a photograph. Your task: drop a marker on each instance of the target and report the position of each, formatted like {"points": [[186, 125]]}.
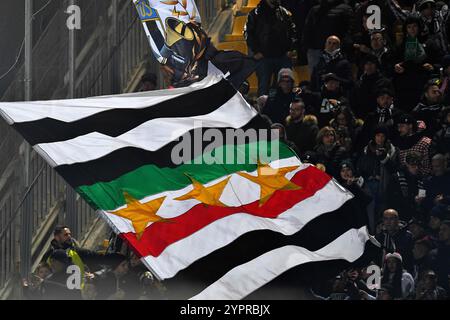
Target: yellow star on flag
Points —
{"points": [[271, 180], [206, 195], [140, 214]]}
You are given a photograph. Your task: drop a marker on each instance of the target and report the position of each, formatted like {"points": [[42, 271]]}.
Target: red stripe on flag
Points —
{"points": [[159, 235]]}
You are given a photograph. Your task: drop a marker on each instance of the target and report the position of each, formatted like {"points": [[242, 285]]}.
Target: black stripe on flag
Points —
{"points": [[127, 159], [115, 122], [315, 235]]}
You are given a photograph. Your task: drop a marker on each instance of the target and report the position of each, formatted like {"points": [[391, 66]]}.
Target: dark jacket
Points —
{"points": [[401, 192], [428, 113], [378, 166], [270, 31], [330, 17]]}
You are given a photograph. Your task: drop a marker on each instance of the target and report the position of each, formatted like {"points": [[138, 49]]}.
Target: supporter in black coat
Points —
{"points": [[404, 187], [110, 282], [430, 107], [364, 94]]}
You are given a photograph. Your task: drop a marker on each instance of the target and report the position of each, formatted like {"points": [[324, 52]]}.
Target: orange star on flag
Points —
{"points": [[140, 214], [271, 180], [206, 195]]}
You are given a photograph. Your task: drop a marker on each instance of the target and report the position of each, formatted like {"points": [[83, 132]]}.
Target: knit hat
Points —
{"points": [[286, 72], [394, 255]]}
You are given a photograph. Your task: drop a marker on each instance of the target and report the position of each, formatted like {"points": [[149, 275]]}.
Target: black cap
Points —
{"points": [[385, 90], [406, 119], [114, 259]]}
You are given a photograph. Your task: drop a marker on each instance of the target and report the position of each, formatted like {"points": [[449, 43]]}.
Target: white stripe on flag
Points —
{"points": [[184, 252], [246, 278], [75, 109], [151, 135]]}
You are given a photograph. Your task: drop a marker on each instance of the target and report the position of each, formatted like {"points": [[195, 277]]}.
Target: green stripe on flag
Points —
{"points": [[150, 179]]}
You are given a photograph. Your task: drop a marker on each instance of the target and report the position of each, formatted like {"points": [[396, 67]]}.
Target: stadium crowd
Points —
{"points": [[375, 115]]}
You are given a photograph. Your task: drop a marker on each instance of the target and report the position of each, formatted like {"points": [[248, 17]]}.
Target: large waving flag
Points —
{"points": [[191, 179]]}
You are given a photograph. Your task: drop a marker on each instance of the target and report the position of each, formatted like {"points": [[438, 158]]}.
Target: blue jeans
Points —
{"points": [[267, 68]]}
